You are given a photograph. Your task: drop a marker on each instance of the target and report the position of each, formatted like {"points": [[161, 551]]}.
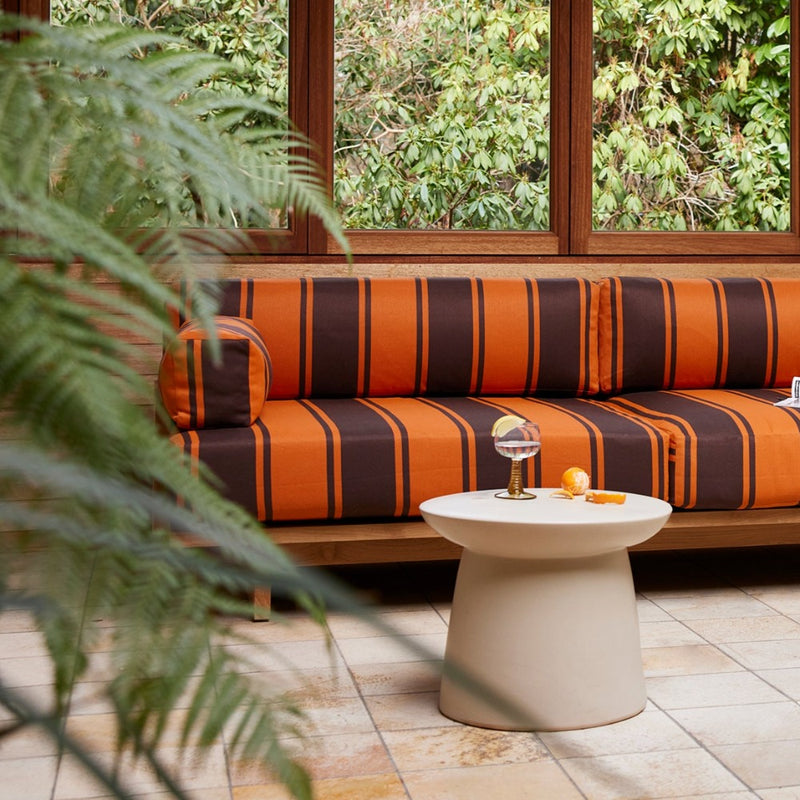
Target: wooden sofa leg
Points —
{"points": [[262, 603]]}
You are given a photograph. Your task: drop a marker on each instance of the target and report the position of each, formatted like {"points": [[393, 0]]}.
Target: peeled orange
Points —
{"points": [[575, 480]]}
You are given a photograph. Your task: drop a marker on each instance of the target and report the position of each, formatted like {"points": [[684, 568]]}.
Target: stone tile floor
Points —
{"points": [[721, 651]]}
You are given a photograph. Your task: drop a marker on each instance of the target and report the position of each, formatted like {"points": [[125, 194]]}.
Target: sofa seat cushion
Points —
{"points": [[342, 458], [729, 448]]}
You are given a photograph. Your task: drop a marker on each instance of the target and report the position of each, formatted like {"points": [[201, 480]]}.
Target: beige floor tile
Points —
{"points": [[16, 621], [689, 659], [758, 722], [388, 649], [367, 787], [291, 627], [215, 793], [335, 715], [667, 634], [443, 610], [396, 712], [716, 603], [339, 756], [407, 677], [783, 793], [746, 629], [314, 684], [783, 654], [23, 644], [672, 774], [194, 769], [33, 671], [540, 780], [460, 746], [785, 680], [28, 742], [648, 611], [763, 765], [648, 731], [700, 691], [315, 654], [782, 598], [28, 778], [416, 621], [98, 732]]}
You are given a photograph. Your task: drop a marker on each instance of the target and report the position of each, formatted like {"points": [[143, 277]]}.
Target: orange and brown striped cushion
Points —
{"points": [[729, 448], [340, 458], [378, 337], [201, 391], [698, 333]]}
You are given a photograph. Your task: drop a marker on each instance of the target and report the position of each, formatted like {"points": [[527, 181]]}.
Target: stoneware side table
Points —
{"points": [[544, 611]]}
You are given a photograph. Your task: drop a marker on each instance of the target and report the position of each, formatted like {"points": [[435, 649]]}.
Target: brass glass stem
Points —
{"points": [[516, 490]]}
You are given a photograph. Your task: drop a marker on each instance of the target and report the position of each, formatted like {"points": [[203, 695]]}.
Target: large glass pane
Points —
{"points": [[691, 115], [442, 114], [252, 34]]}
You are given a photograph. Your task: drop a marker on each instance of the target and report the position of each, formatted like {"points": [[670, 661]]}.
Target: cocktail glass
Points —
{"points": [[518, 443]]}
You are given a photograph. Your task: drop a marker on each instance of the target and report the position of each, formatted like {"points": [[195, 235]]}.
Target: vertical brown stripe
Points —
{"points": [[534, 335], [258, 470], [230, 297], [333, 467], [402, 475], [420, 380], [265, 470], [772, 333], [336, 334], [365, 343], [450, 330], [197, 399], [561, 324], [722, 333], [749, 345], [643, 349]]}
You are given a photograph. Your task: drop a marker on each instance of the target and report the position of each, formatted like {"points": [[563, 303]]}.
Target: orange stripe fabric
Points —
{"points": [[698, 333], [203, 387], [730, 448], [374, 337]]}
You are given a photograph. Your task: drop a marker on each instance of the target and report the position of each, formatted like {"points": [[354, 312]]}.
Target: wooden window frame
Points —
{"points": [[570, 234]]}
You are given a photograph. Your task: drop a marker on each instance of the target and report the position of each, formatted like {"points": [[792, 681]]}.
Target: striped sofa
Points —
{"points": [[352, 400]]}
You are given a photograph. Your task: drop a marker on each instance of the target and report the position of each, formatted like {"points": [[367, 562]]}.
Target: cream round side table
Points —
{"points": [[544, 611]]}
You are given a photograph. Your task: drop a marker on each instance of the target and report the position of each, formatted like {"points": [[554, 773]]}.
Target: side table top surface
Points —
{"points": [[544, 527]]}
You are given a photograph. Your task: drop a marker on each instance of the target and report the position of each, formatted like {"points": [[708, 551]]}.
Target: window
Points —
{"points": [[534, 128]]}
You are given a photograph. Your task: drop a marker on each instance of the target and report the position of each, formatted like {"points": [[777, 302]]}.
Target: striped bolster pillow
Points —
{"points": [[199, 391]]}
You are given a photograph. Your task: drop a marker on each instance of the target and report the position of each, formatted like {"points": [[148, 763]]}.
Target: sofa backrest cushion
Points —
{"points": [[201, 389], [357, 337], [698, 333]]}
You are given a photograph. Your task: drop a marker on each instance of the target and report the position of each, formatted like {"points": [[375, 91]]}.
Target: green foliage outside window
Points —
{"points": [[691, 115], [442, 107]]}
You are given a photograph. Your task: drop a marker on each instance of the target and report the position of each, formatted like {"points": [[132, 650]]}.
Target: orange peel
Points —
{"points": [[566, 494], [606, 497]]}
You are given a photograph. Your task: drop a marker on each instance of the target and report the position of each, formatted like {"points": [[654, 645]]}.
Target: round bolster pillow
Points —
{"points": [[200, 391]]}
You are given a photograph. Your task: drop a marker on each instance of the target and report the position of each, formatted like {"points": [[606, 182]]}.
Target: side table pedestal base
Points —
{"points": [[556, 638]]}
